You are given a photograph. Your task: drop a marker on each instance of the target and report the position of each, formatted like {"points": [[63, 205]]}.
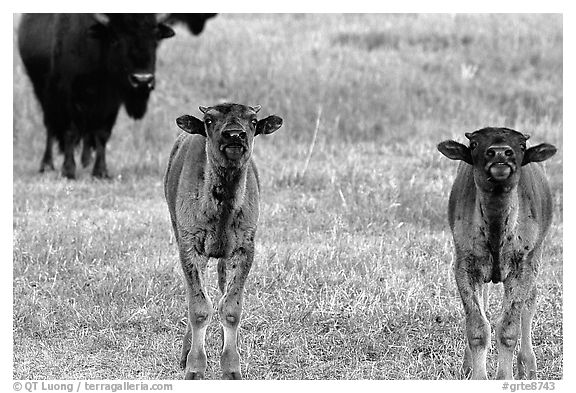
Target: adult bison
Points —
{"points": [[83, 68], [194, 22]]}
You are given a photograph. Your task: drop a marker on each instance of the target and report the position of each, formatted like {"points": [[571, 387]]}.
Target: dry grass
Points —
{"points": [[352, 276]]}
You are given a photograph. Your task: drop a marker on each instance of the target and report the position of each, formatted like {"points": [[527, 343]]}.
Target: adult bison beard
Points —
{"points": [[135, 102]]}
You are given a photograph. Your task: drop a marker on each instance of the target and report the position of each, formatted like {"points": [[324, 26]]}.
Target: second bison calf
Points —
{"points": [[212, 189], [500, 210]]}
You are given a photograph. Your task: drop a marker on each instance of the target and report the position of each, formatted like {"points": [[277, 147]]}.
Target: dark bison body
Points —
{"points": [[84, 67], [194, 22]]}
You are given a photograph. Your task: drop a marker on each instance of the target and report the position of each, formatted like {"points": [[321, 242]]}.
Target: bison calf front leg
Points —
{"points": [[233, 272], [199, 314], [526, 360], [517, 290], [477, 326]]}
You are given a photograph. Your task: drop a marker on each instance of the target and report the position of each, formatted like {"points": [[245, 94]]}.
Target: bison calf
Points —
{"points": [[212, 189], [500, 210]]}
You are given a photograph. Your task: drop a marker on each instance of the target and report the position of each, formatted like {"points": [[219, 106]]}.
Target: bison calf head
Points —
{"points": [[496, 155], [129, 43], [230, 130]]}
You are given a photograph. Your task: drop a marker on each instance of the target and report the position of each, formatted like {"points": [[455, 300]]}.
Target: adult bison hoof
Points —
{"points": [[46, 166], [232, 375], [69, 174], [101, 174], [194, 375]]}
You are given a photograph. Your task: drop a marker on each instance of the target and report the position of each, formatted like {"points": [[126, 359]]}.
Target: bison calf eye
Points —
{"points": [[473, 145], [254, 122], [208, 121]]}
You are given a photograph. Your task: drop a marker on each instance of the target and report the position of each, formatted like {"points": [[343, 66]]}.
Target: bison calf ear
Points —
{"points": [[455, 151], [165, 31], [268, 125], [538, 153], [191, 125]]}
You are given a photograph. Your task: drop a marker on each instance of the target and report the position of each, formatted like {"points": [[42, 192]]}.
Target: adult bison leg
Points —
{"points": [[517, 291], [47, 160], [69, 165], [477, 326], [526, 360], [100, 170], [199, 314], [55, 122], [87, 150], [230, 308], [100, 139]]}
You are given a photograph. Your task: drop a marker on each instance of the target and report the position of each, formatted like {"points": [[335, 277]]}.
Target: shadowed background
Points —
{"points": [[352, 275]]}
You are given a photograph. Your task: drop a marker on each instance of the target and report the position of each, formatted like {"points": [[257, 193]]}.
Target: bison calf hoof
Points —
{"points": [[465, 372], [526, 365], [232, 375], [183, 362], [194, 375]]}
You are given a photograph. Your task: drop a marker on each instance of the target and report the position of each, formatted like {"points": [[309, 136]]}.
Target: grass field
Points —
{"points": [[352, 277]]}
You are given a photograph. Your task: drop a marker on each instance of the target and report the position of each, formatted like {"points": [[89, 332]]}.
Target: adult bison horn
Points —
{"points": [[161, 17], [102, 19]]}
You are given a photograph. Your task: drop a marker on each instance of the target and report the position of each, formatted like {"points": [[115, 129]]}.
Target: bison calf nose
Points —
{"points": [[500, 151], [234, 134], [138, 80]]}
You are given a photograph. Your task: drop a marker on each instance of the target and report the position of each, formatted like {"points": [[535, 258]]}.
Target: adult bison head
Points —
{"points": [[129, 43]]}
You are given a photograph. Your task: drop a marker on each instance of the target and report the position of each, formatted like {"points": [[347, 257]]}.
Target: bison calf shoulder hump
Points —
{"points": [[212, 190], [499, 211]]}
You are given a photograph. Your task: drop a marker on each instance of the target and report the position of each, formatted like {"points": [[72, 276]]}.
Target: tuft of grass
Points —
{"points": [[352, 277]]}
